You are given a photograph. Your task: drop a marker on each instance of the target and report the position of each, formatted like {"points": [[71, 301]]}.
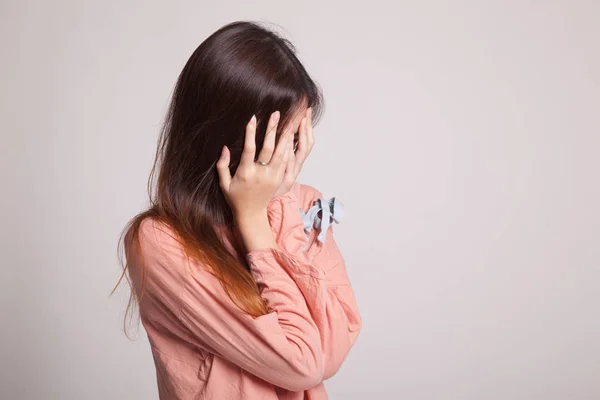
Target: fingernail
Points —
{"points": [[253, 119], [276, 117], [309, 111]]}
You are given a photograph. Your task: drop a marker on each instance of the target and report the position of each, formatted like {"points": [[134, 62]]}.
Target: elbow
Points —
{"points": [[312, 376], [304, 381], [304, 377], [331, 370], [355, 325]]}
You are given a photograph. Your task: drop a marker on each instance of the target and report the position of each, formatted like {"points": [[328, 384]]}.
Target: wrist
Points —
{"points": [[255, 231], [250, 217]]}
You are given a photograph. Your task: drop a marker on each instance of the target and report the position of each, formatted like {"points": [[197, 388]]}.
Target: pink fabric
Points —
{"points": [[205, 347]]}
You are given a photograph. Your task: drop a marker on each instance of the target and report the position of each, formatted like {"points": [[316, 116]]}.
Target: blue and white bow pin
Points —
{"points": [[331, 210]]}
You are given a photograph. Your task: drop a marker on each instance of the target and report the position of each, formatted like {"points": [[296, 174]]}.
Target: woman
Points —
{"points": [[241, 288]]}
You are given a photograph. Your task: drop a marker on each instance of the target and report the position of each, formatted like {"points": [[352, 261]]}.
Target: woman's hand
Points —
{"points": [[306, 141], [254, 185]]}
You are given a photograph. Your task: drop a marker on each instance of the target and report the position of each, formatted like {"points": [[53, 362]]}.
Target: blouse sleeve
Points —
{"points": [[281, 347], [331, 302]]}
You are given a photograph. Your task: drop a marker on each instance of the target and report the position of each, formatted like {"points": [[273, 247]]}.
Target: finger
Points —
{"points": [[247, 157], [223, 169], [282, 168], [311, 136], [290, 170], [302, 140], [282, 147], [269, 143], [288, 156]]}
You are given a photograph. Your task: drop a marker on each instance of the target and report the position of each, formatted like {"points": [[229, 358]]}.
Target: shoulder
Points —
{"points": [[155, 232], [159, 242]]}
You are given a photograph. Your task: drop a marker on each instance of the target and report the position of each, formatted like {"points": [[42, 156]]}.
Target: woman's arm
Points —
{"points": [[281, 347], [331, 302]]}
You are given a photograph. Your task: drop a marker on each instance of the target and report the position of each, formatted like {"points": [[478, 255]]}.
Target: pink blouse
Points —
{"points": [[205, 347]]}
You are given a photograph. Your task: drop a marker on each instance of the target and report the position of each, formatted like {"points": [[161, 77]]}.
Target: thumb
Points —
{"points": [[223, 169]]}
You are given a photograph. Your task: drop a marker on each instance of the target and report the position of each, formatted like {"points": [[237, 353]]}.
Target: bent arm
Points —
{"points": [[332, 304], [281, 347]]}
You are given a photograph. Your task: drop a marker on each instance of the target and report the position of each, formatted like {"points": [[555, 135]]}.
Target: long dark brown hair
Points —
{"points": [[240, 70]]}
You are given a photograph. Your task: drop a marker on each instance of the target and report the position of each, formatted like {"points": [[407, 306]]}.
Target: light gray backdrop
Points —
{"points": [[462, 137]]}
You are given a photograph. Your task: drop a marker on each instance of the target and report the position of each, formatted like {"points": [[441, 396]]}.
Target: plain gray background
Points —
{"points": [[462, 137]]}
